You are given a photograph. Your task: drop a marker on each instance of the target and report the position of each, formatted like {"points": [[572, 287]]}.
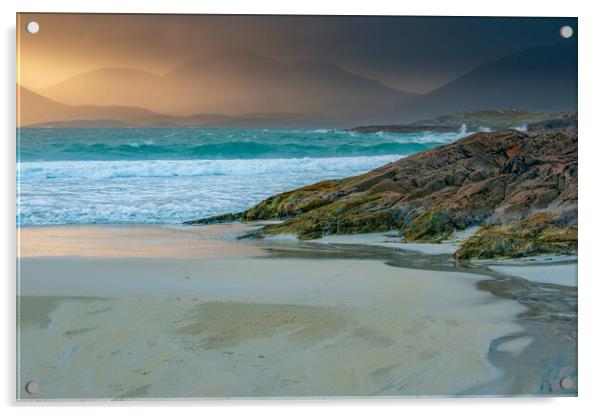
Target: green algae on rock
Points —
{"points": [[537, 235], [356, 215], [428, 227]]}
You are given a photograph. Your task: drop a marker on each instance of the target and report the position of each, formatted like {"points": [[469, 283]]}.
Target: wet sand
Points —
{"points": [[150, 312]]}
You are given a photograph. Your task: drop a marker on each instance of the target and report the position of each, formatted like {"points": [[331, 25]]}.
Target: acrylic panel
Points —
{"points": [[232, 206]]}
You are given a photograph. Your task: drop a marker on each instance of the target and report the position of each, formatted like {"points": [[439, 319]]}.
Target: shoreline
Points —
{"points": [[297, 259]]}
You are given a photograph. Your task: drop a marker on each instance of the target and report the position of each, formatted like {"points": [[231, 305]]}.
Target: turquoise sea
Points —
{"points": [[166, 176]]}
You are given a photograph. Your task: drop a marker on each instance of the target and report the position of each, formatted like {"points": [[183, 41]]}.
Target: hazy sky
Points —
{"points": [[415, 54]]}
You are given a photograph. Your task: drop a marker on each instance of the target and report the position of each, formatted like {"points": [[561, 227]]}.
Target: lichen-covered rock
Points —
{"points": [[428, 227], [293, 203], [370, 213], [540, 234]]}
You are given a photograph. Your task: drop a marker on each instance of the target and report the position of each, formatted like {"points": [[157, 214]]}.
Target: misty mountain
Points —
{"points": [[104, 87], [236, 83], [35, 110], [256, 91], [538, 79]]}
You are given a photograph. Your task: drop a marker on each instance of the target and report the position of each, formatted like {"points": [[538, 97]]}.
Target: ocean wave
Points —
{"points": [[164, 191], [106, 170], [228, 150], [147, 144]]}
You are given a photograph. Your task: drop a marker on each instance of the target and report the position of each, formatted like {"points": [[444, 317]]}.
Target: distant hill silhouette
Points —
{"points": [[538, 79], [270, 93], [35, 110]]}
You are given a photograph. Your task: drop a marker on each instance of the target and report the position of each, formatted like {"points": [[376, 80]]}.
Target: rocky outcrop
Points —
{"points": [[478, 120], [519, 187], [567, 121]]}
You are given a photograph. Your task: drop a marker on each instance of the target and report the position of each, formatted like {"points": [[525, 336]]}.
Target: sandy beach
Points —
{"points": [[170, 312]]}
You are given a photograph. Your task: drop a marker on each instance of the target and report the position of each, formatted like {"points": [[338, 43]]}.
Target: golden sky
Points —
{"points": [[415, 54]]}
